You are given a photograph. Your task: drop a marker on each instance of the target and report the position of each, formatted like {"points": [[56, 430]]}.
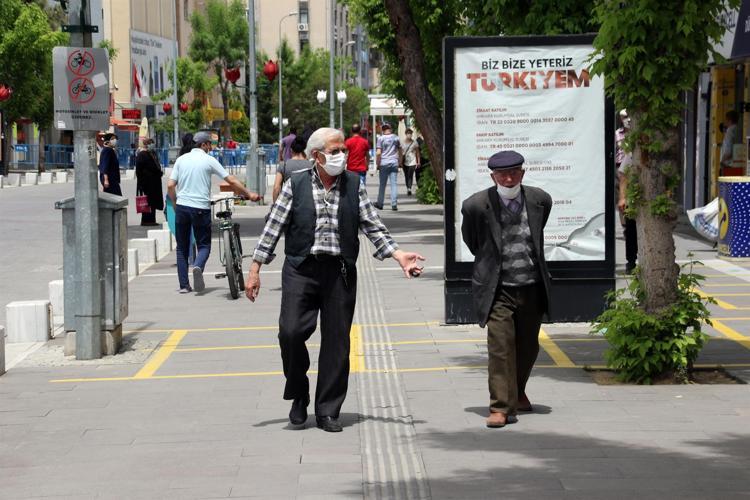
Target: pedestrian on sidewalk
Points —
{"points": [[298, 161], [387, 160], [359, 153], [148, 174], [109, 166], [286, 143], [189, 188], [321, 211], [503, 226], [623, 162], [410, 155]]}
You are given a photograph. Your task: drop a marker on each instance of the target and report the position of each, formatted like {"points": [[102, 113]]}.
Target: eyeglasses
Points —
{"points": [[336, 151]]}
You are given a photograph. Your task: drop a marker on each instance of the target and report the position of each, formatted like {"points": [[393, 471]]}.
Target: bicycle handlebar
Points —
{"points": [[222, 200]]}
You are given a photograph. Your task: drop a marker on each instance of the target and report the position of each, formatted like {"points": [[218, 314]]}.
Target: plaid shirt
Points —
{"points": [[326, 223]]}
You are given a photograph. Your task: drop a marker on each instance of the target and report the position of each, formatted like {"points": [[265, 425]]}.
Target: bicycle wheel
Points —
{"points": [[238, 254], [229, 264]]}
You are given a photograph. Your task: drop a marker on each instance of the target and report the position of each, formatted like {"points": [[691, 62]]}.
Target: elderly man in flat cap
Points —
{"points": [[503, 226]]}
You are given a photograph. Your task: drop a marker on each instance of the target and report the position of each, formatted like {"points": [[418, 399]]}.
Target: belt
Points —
{"points": [[320, 257]]}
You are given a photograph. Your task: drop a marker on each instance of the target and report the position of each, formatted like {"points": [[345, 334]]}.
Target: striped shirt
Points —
{"points": [[326, 222]]}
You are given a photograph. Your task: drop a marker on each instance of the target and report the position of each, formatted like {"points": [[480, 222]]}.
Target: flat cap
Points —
{"points": [[201, 137], [505, 159]]}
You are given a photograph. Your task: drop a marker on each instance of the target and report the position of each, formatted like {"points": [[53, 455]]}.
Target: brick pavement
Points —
{"points": [[203, 416]]}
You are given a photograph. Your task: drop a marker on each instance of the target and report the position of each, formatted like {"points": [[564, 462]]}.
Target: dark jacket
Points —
{"points": [[109, 165], [482, 233], [148, 178]]}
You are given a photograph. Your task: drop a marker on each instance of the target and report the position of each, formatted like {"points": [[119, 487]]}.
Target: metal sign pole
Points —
{"points": [[252, 102], [175, 103], [88, 315]]}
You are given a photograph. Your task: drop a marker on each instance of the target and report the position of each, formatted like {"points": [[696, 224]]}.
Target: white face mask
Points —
{"points": [[509, 193], [334, 164], [113, 142], [150, 147]]}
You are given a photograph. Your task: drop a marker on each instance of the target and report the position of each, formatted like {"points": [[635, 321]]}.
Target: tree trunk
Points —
{"points": [[421, 100], [40, 163], [656, 249]]}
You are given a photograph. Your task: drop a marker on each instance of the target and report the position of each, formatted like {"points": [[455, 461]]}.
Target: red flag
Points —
{"points": [[136, 81]]}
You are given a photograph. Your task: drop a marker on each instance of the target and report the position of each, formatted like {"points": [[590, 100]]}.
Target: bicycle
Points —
{"points": [[230, 247]]}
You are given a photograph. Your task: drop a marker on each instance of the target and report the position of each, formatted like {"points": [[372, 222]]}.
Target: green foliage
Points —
{"points": [[541, 17], [219, 39], [112, 52], [651, 44], [644, 346], [303, 76], [427, 190], [437, 19], [26, 43]]}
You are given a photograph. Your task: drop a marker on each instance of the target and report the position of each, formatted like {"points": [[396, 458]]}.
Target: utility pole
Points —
{"points": [[252, 102], [89, 279], [331, 103], [175, 110]]}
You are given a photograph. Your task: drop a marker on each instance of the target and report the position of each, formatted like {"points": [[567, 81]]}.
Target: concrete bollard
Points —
{"points": [[45, 178], [57, 301], [163, 241], [28, 321], [61, 177], [2, 181], [2, 350], [14, 180], [133, 269], [146, 250], [31, 179]]}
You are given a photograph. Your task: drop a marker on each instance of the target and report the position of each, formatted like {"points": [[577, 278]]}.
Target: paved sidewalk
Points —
{"points": [[194, 408]]}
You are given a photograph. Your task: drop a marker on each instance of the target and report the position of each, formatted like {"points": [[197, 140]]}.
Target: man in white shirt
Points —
{"points": [[189, 187]]}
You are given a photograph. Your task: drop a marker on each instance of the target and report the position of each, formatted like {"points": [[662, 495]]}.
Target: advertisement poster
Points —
{"points": [[542, 102], [150, 61]]}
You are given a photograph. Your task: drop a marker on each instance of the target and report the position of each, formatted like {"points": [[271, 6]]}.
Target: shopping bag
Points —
{"points": [[705, 220], [141, 205]]}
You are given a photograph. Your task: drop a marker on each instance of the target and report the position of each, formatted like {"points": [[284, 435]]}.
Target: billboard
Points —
{"points": [[542, 102], [534, 95], [150, 62]]}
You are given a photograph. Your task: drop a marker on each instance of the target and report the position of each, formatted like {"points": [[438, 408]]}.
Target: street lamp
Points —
{"points": [[281, 113], [341, 96], [321, 96]]}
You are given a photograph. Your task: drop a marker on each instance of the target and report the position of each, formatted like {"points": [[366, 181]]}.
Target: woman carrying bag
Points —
{"points": [[148, 175]]}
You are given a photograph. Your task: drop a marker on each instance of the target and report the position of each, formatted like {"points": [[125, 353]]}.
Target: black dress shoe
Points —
{"points": [[298, 413], [329, 424]]}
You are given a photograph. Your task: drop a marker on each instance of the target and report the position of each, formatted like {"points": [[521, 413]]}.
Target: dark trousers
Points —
{"points": [[199, 221], [148, 218], [317, 285], [409, 175], [513, 343], [631, 241]]}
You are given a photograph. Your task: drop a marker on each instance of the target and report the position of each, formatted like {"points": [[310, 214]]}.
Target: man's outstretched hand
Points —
{"points": [[409, 262], [252, 286]]}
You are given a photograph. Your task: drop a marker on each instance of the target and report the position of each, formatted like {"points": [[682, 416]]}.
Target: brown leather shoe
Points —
{"points": [[524, 404], [497, 419]]}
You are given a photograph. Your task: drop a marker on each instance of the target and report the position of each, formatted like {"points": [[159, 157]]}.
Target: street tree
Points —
{"points": [[219, 39], [194, 86], [651, 52], [26, 43]]}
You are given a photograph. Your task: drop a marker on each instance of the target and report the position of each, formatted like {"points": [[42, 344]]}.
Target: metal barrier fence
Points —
{"points": [[25, 156]]}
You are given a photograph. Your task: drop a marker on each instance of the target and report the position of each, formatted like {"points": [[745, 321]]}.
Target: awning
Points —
{"points": [[126, 125], [385, 105]]}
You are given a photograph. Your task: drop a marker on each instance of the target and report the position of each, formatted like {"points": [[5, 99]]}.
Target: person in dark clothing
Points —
{"points": [[109, 166], [187, 144], [148, 175]]}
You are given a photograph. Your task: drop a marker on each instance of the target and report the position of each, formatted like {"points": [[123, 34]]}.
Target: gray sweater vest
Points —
{"points": [[519, 263], [300, 231]]}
